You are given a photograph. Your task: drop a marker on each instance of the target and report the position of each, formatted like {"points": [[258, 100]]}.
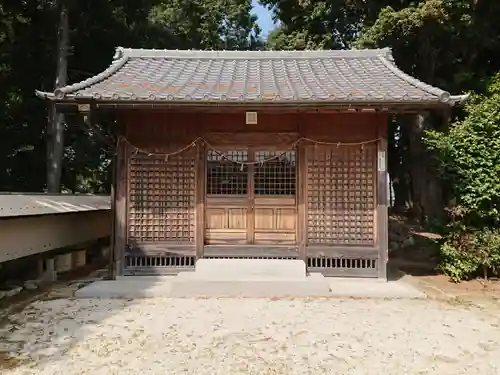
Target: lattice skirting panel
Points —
{"points": [[172, 264], [139, 264], [251, 257], [347, 267]]}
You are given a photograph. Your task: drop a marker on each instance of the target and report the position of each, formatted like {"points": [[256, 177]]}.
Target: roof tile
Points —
{"points": [[236, 76]]}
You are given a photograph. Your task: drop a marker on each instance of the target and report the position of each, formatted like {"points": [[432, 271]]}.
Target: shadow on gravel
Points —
{"points": [[41, 326]]}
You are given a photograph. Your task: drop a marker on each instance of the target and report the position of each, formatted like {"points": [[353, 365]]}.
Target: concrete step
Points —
{"points": [[241, 268], [189, 285], [128, 287], [192, 285]]}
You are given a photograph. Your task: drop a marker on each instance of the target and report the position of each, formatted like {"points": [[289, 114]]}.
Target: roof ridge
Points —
{"points": [[228, 54], [388, 61]]}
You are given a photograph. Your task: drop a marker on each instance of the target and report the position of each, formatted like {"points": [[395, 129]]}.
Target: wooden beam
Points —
{"points": [[159, 248], [392, 107], [251, 198], [200, 166], [382, 210], [112, 253], [120, 209], [302, 201], [251, 251], [342, 251]]}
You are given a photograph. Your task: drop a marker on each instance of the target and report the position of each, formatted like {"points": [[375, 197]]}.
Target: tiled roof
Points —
{"points": [[358, 76]]}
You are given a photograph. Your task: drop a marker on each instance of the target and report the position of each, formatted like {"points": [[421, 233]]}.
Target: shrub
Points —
{"points": [[470, 158], [466, 253], [469, 154]]}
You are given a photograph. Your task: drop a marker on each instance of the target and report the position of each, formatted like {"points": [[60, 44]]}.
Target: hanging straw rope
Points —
{"points": [[339, 143], [193, 144], [243, 163], [138, 150]]}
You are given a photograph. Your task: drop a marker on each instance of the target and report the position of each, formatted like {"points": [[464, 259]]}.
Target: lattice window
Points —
{"points": [[341, 195], [224, 176], [162, 197], [275, 176]]}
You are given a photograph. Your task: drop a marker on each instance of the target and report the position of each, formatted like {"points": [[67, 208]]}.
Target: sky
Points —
{"points": [[265, 21]]}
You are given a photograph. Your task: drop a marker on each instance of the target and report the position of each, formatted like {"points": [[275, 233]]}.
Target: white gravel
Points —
{"points": [[251, 336]]}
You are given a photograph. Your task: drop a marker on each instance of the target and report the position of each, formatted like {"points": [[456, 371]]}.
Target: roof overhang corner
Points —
{"points": [[119, 53], [44, 95], [459, 99], [58, 94], [387, 54], [452, 100]]}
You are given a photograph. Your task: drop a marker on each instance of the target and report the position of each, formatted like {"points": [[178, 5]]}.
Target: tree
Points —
{"points": [[29, 57], [55, 129], [470, 158], [27, 45], [209, 24], [314, 24], [446, 43], [470, 162]]}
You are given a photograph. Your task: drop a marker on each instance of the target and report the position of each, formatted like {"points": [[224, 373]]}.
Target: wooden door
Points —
{"points": [[274, 198], [227, 201], [254, 203]]}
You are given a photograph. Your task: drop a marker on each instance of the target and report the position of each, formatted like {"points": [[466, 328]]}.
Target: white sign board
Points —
{"points": [[381, 161]]}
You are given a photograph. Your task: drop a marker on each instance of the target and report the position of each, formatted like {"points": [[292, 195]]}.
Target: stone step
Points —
{"points": [[191, 285], [241, 268]]}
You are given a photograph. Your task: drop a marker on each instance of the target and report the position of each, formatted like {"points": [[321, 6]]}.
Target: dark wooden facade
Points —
{"points": [[309, 185], [194, 178]]}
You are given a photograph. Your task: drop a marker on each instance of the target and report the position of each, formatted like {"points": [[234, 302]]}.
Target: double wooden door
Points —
{"points": [[251, 197]]}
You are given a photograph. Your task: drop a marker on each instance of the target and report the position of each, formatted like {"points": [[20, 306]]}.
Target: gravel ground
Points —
{"points": [[251, 336]]}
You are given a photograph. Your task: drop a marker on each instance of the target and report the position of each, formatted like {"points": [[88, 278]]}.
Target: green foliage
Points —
{"points": [[467, 253], [469, 153], [28, 31], [456, 262], [314, 24], [209, 24], [448, 43], [470, 158]]}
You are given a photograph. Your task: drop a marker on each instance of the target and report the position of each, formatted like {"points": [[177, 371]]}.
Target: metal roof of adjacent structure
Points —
{"points": [[192, 76], [32, 204]]}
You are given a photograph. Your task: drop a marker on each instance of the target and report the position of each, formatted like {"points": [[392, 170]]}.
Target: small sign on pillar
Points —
{"points": [[381, 160]]}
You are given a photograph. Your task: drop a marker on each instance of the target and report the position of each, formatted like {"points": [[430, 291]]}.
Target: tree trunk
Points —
{"points": [[55, 128], [397, 165], [425, 179]]}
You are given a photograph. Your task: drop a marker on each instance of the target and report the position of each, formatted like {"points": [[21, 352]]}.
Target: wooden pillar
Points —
{"points": [[200, 199], [112, 255], [120, 209], [382, 210], [251, 198], [302, 201]]}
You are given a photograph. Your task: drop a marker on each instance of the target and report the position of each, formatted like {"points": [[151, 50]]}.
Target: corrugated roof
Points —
{"points": [[17, 204], [361, 76]]}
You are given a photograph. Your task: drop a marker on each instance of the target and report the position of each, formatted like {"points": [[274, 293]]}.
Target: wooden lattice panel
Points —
{"points": [[341, 195], [162, 197]]}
